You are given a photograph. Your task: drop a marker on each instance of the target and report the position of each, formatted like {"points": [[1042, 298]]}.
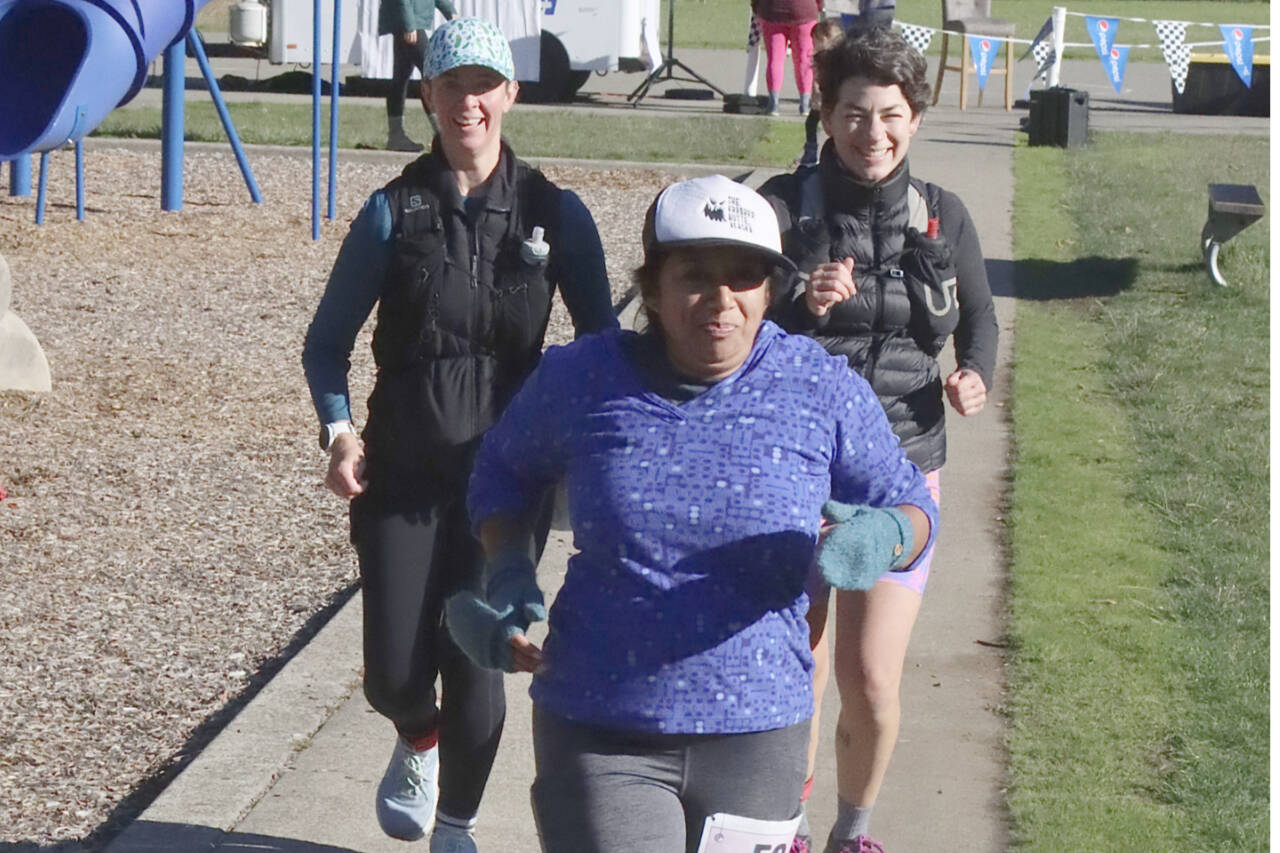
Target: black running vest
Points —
{"points": [[905, 307], [461, 320]]}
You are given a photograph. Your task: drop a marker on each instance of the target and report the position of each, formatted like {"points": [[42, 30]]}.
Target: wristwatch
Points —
{"points": [[329, 432]]}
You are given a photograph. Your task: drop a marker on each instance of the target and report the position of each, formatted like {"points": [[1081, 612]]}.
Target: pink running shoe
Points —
{"points": [[800, 844], [861, 844]]}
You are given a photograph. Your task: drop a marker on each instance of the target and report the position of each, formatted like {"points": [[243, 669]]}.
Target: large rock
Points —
{"points": [[23, 366]]}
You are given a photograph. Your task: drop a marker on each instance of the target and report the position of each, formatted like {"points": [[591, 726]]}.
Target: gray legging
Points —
{"points": [[607, 791]]}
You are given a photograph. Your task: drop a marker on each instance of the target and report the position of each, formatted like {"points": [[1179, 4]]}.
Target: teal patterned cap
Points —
{"points": [[468, 41]]}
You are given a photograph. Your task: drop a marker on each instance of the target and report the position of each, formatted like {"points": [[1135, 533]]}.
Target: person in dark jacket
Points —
{"points": [[461, 254], [407, 22], [894, 271]]}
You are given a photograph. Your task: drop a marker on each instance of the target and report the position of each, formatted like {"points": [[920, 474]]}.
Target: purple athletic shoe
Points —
{"points": [[862, 844], [800, 844]]}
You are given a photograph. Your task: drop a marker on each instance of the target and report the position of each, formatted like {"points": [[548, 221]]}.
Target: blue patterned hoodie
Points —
{"points": [[683, 611]]}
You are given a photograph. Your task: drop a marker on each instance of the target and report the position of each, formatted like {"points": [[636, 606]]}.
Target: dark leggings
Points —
{"points": [[602, 791], [410, 561], [406, 58]]}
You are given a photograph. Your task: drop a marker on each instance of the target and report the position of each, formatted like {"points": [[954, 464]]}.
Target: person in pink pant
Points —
{"points": [[783, 23]]}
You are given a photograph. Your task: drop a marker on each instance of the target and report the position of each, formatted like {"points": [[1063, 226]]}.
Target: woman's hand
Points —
{"points": [[829, 284], [966, 391], [345, 477], [525, 656]]}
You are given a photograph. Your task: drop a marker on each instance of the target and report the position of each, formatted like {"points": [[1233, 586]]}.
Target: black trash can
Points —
{"points": [[1060, 117]]}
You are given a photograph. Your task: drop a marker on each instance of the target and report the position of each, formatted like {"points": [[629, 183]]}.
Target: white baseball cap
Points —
{"points": [[713, 211]]}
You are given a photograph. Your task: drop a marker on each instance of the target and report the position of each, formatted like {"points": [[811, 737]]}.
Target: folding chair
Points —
{"points": [[973, 17]]}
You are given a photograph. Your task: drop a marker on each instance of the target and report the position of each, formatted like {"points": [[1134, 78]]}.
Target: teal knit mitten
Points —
{"points": [[863, 543]]}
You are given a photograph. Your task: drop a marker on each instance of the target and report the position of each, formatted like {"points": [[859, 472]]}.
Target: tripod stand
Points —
{"points": [[669, 64]]}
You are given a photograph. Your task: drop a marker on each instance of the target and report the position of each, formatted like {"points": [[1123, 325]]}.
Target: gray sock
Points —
{"points": [[851, 821]]}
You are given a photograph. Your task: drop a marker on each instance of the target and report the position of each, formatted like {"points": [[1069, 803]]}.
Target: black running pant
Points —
{"points": [[410, 561]]}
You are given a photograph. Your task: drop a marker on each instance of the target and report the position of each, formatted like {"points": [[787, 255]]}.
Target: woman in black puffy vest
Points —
{"points": [[461, 254], [894, 269]]}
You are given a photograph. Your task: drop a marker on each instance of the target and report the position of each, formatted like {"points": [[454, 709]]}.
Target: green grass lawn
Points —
{"points": [[1138, 542], [749, 141]]}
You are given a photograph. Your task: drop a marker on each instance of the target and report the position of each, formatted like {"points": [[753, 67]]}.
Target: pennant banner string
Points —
{"points": [[1217, 43], [1148, 21]]}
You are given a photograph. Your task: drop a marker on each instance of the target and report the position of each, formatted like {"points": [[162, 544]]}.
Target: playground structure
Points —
{"points": [[66, 64]]}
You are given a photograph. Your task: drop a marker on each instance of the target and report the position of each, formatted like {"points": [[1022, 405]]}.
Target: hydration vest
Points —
{"points": [[461, 319], [905, 307]]}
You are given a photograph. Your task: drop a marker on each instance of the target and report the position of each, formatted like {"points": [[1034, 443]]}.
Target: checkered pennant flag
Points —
{"points": [[917, 36], [1173, 38], [1043, 52], [1178, 57], [753, 34]]}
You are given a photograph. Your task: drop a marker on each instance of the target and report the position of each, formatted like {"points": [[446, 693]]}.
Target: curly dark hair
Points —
{"points": [[881, 55]]}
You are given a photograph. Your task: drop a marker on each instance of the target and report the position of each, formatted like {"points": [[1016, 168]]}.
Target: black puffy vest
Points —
{"points": [[892, 329], [461, 319]]}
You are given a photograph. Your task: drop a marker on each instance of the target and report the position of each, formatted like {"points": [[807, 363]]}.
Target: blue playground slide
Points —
{"points": [[66, 64]]}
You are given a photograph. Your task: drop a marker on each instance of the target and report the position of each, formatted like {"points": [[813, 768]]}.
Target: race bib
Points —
{"points": [[726, 833]]}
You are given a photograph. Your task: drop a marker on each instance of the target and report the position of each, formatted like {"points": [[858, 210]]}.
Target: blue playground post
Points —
{"points": [[333, 108], [172, 122], [40, 191], [80, 180], [197, 47], [20, 175], [315, 120]]}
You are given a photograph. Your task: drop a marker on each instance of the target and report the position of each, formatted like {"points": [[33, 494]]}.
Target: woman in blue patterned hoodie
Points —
{"points": [[700, 455]]}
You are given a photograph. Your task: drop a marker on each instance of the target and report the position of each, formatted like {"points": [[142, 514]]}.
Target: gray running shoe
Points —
{"points": [[447, 839], [406, 803]]}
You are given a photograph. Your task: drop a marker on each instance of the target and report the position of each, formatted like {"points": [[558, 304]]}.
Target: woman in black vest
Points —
{"points": [[894, 269], [461, 254]]}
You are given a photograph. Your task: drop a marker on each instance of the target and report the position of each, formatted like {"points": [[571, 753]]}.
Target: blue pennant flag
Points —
{"points": [[1103, 33], [1114, 65], [983, 50], [1238, 42]]}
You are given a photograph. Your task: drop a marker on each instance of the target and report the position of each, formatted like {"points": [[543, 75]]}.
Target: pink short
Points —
{"points": [[818, 588]]}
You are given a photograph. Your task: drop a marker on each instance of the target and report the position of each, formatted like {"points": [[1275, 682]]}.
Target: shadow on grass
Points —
{"points": [[1090, 277]]}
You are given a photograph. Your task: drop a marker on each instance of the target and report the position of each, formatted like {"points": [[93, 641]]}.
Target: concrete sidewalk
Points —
{"points": [[297, 769]]}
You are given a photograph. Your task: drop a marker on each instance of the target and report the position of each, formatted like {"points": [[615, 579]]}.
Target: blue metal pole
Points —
{"points": [[315, 120], [80, 180], [172, 125], [336, 63], [40, 192], [20, 176], [197, 47]]}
